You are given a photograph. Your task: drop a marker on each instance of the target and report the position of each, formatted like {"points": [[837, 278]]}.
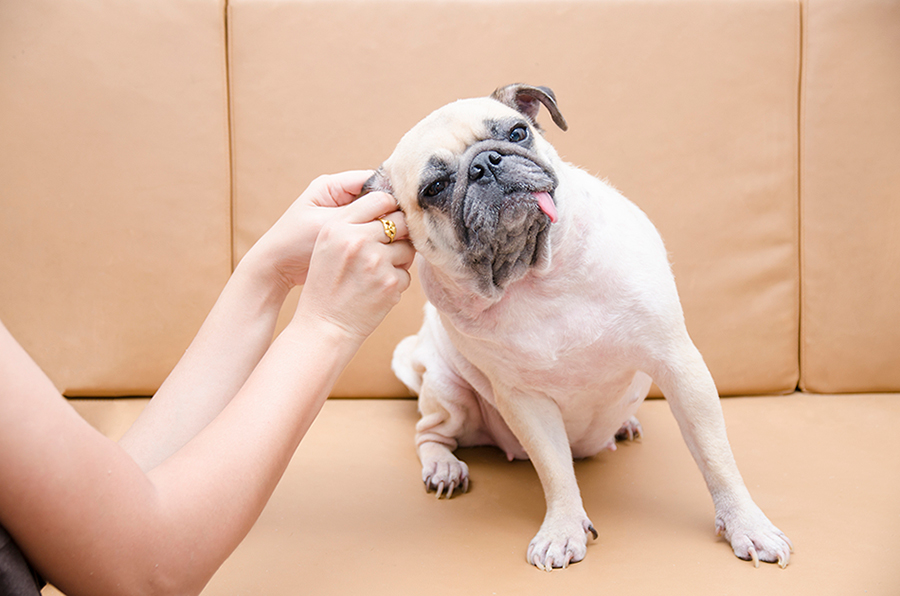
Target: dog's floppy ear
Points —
{"points": [[525, 98], [377, 182]]}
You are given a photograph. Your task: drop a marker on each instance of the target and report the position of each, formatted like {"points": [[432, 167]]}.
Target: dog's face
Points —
{"points": [[476, 181]]}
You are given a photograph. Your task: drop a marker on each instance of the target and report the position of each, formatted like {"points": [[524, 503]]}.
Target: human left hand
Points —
{"points": [[285, 249]]}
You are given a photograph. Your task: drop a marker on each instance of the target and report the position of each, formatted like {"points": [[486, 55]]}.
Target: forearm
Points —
{"points": [[169, 530], [230, 343], [159, 512], [238, 330], [253, 439]]}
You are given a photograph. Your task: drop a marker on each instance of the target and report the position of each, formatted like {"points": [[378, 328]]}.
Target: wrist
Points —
{"points": [[262, 273], [331, 339], [322, 326]]}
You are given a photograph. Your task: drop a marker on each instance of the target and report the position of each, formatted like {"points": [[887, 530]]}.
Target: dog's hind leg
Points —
{"points": [[630, 431], [450, 413]]}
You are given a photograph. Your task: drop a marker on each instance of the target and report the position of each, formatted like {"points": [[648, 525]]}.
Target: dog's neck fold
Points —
{"points": [[454, 295]]}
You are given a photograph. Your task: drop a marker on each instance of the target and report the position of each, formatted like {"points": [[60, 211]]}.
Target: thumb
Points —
{"points": [[335, 190]]}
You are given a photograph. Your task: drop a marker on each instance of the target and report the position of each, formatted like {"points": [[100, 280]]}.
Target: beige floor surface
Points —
{"points": [[351, 516]]}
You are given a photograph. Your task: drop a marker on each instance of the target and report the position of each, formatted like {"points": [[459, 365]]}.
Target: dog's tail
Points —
{"points": [[405, 366]]}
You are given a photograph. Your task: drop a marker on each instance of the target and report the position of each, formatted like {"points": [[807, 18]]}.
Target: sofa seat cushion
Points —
{"points": [[351, 515]]}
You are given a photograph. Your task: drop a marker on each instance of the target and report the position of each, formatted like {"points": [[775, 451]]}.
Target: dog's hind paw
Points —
{"points": [[630, 431], [443, 473], [559, 543]]}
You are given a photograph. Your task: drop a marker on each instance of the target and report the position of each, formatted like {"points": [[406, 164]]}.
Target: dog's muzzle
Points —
{"points": [[503, 211]]}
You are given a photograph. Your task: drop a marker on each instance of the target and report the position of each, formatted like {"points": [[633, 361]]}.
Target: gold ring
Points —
{"points": [[390, 229]]}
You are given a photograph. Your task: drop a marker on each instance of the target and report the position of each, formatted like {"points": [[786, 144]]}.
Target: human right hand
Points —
{"points": [[356, 275]]}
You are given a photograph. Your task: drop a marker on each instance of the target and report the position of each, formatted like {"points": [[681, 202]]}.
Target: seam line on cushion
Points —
{"points": [[801, 253], [229, 106]]}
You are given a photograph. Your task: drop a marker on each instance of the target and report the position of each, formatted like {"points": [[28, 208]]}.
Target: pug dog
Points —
{"points": [[551, 309]]}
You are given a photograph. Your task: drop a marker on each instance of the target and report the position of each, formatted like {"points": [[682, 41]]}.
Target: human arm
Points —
{"points": [[241, 324], [93, 522]]}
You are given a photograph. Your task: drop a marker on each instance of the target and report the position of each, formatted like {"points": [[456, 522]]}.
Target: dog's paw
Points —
{"points": [[630, 431], [444, 474], [559, 543], [753, 537]]}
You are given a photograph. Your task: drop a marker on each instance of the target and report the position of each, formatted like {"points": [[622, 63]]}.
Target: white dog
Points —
{"points": [[552, 306]]}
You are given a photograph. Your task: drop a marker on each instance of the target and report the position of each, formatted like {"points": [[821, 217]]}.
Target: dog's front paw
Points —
{"points": [[753, 537], [442, 472], [560, 542]]}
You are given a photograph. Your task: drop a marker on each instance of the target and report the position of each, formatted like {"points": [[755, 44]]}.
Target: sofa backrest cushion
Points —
{"points": [[850, 196], [689, 108], [115, 234], [140, 157]]}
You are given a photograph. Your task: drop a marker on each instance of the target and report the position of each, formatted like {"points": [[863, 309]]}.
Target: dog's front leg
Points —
{"points": [[538, 424], [692, 396]]}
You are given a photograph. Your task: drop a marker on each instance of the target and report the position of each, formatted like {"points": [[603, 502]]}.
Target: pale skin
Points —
{"points": [[159, 511]]}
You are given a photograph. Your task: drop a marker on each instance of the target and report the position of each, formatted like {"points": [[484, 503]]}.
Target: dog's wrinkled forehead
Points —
{"points": [[441, 138]]}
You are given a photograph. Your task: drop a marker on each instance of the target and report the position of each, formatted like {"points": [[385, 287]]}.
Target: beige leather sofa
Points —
{"points": [[144, 146]]}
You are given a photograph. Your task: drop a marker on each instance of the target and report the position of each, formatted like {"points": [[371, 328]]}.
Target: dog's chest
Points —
{"points": [[582, 327], [558, 338]]}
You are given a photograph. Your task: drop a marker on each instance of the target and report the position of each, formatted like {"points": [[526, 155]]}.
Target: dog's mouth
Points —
{"points": [[504, 207]]}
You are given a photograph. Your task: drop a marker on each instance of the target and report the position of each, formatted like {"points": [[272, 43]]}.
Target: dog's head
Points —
{"points": [[476, 181]]}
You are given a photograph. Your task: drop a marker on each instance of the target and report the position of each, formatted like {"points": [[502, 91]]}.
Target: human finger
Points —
{"points": [[369, 207], [393, 226], [404, 279], [354, 279], [335, 190], [402, 254]]}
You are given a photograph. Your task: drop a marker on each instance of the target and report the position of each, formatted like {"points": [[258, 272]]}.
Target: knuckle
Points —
{"points": [[371, 262], [329, 229], [386, 202], [358, 244], [321, 180], [391, 284], [318, 183]]}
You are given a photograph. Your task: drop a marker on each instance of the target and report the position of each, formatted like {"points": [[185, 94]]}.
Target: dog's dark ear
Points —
{"points": [[377, 182], [528, 99]]}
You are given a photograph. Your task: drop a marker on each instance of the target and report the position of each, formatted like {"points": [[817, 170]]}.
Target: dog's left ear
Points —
{"points": [[528, 99]]}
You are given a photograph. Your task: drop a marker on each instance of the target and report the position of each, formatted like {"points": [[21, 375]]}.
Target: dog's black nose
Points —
{"points": [[484, 165]]}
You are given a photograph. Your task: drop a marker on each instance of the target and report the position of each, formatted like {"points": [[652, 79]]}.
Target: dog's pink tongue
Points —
{"points": [[545, 202]]}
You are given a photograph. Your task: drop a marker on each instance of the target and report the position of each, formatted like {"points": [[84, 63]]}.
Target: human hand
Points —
{"points": [[285, 249], [356, 275]]}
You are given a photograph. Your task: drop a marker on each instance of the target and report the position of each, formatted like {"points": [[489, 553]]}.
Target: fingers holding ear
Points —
{"points": [[394, 228], [378, 210], [370, 206], [393, 233], [335, 190], [403, 254]]}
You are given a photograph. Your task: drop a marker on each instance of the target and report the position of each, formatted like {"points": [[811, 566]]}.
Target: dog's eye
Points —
{"points": [[436, 188], [518, 134]]}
